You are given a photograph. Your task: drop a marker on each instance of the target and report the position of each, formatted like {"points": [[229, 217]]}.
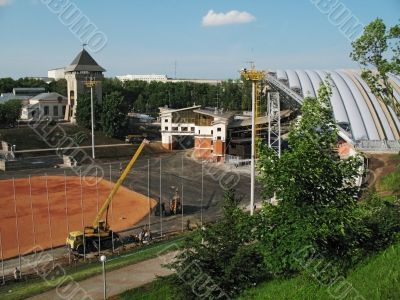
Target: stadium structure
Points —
{"points": [[364, 120], [367, 121]]}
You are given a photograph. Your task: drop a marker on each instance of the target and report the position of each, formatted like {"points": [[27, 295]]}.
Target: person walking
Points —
{"points": [[17, 274]]}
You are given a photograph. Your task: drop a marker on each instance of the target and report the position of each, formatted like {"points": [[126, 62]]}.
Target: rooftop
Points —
{"points": [[84, 62], [215, 113], [49, 96]]}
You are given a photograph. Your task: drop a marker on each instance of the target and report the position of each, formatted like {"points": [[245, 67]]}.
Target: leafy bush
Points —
{"points": [[223, 259], [382, 220], [391, 182]]}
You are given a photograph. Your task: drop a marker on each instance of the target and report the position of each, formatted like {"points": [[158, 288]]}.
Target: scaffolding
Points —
{"points": [[274, 122]]}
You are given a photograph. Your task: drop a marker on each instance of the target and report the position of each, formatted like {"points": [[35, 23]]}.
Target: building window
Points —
{"points": [[55, 110], [212, 131], [219, 129], [192, 129], [174, 128], [63, 110], [166, 120], [184, 129], [218, 138], [199, 131], [166, 128], [46, 110], [212, 142]]}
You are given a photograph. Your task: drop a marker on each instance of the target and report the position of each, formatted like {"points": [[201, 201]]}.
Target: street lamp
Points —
{"points": [[91, 82], [103, 259]]}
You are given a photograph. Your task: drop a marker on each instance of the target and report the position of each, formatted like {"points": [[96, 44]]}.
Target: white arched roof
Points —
{"points": [[352, 101]]}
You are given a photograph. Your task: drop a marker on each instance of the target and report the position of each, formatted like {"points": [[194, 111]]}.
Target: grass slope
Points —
{"points": [[377, 278]]}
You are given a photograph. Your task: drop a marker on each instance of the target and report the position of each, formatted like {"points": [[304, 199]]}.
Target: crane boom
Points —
{"points": [[119, 183]]}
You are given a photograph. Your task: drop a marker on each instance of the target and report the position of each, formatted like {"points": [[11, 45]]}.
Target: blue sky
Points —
{"points": [[148, 36]]}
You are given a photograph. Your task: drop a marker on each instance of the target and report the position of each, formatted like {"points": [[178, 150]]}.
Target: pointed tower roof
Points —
{"points": [[84, 62]]}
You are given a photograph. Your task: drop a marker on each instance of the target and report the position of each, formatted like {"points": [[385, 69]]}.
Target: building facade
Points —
{"points": [[208, 128], [45, 105]]}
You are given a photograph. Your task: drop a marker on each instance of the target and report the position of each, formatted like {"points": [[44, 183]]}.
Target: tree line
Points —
{"points": [[7, 84], [147, 97]]}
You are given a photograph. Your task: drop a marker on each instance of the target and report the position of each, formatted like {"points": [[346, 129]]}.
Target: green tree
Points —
{"points": [[379, 48], [6, 85], [83, 111], [113, 117], [10, 112], [223, 255], [58, 86], [317, 204]]}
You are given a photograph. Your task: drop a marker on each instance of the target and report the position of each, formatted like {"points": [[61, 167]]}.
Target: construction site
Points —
{"points": [[63, 200]]}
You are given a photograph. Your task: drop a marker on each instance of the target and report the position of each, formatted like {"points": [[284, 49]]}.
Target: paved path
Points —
{"points": [[118, 281]]}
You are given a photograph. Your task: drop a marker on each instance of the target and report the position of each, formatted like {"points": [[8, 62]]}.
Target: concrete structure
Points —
{"points": [[33, 162], [208, 128], [82, 69], [45, 105], [56, 74]]}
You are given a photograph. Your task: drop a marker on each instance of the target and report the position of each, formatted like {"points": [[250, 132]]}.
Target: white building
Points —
{"points": [[207, 127], [50, 105], [56, 74], [148, 78]]}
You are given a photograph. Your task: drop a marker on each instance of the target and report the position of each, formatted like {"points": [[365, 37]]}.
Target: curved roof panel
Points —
{"points": [[306, 85], [294, 82], [281, 75], [363, 107], [352, 101], [357, 123]]}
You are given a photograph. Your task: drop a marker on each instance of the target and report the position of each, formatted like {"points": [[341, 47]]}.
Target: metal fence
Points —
{"points": [[39, 223]]}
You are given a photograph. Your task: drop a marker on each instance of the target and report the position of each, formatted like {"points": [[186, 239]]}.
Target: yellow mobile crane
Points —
{"points": [[100, 232]]}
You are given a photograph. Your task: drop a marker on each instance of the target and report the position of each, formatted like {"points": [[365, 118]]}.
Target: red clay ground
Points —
{"points": [[128, 208]]}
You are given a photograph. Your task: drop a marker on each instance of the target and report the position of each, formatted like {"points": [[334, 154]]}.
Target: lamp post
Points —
{"points": [[91, 82], [103, 259], [255, 77]]}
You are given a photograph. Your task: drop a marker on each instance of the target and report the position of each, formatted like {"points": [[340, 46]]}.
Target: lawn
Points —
{"points": [[37, 286], [376, 278]]}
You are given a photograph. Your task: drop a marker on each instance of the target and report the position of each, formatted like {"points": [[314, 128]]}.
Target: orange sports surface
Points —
{"points": [[127, 209]]}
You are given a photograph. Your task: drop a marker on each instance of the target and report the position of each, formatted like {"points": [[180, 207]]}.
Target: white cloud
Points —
{"points": [[5, 2], [231, 17]]}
